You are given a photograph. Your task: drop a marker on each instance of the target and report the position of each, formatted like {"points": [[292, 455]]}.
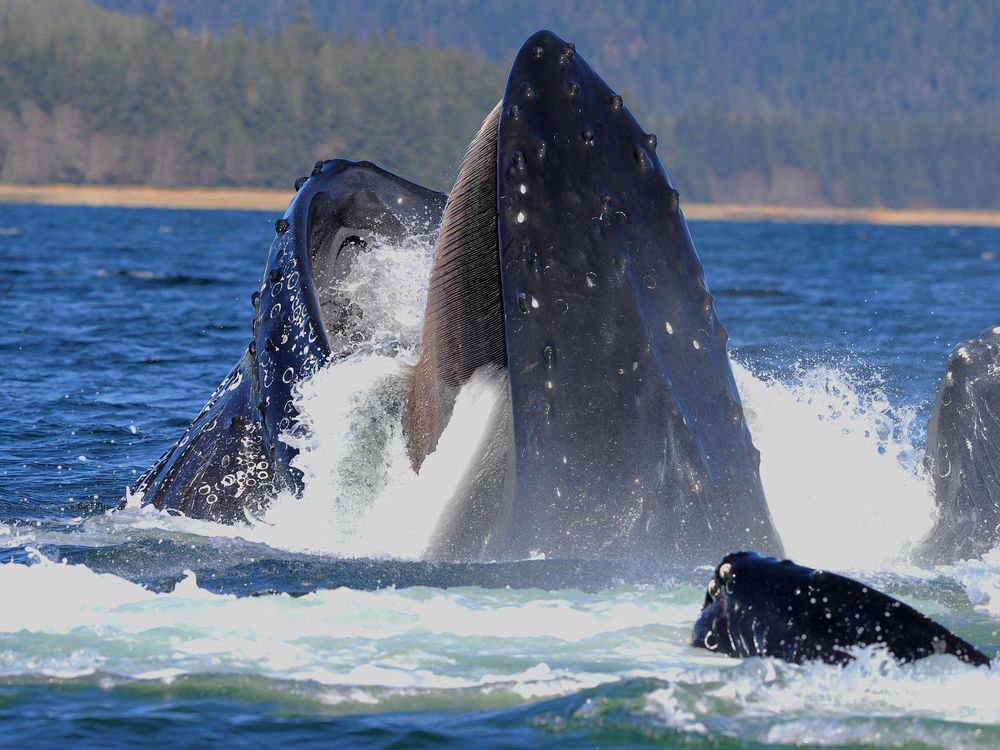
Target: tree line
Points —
{"points": [[90, 95]]}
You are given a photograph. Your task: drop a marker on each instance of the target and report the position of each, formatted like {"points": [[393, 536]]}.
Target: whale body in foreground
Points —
{"points": [[760, 606], [563, 260]]}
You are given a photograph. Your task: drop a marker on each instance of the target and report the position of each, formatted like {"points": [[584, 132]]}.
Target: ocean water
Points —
{"points": [[319, 626]]}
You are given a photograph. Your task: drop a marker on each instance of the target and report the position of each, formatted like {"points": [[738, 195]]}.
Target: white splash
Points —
{"points": [[389, 282], [361, 496], [837, 467]]}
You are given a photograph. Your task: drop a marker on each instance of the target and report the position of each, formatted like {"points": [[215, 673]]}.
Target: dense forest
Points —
{"points": [[854, 58], [86, 96], [891, 103]]}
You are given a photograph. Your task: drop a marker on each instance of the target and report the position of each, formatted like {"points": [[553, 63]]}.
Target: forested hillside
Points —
{"points": [[853, 58], [890, 103], [86, 96]]}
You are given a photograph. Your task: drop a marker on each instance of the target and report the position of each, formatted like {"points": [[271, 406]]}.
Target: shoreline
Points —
{"points": [[262, 199]]}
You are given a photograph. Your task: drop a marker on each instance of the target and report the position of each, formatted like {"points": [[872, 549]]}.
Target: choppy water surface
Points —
{"points": [[319, 625]]}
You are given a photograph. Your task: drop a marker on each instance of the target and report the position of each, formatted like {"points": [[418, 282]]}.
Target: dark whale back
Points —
{"points": [[629, 434], [963, 454], [230, 462], [760, 606]]}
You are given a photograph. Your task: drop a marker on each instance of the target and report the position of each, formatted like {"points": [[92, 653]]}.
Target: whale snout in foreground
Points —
{"points": [[563, 261], [761, 606]]}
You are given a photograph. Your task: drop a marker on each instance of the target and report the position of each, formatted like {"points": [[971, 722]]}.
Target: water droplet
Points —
{"points": [[591, 279], [649, 281], [588, 136], [696, 344], [617, 103], [670, 328], [538, 52], [523, 188], [523, 303], [533, 259], [549, 355], [520, 217]]}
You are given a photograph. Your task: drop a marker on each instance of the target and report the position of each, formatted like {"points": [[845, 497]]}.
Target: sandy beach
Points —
{"points": [[134, 196]]}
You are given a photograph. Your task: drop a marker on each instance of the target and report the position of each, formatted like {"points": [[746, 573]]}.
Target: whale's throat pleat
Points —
{"points": [[463, 320]]}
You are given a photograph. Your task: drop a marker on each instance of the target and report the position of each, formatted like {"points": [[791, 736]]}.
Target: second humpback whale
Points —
{"points": [[563, 260], [962, 458]]}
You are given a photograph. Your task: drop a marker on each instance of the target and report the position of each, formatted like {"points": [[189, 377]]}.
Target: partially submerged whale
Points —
{"points": [[760, 606], [563, 260], [231, 461], [962, 457]]}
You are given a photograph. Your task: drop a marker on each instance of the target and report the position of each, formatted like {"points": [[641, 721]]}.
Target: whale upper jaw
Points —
{"points": [[628, 437]]}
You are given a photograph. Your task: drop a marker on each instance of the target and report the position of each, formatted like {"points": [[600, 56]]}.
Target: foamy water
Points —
{"points": [[840, 465]]}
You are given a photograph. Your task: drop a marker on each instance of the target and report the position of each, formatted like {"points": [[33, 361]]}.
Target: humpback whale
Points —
{"points": [[962, 458], [760, 606], [563, 261], [231, 462], [564, 257]]}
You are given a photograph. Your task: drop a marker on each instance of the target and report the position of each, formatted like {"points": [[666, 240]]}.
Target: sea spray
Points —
{"points": [[838, 468], [388, 282], [361, 496]]}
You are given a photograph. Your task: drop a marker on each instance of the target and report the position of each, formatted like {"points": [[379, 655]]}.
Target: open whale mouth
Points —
{"points": [[347, 209], [563, 259]]}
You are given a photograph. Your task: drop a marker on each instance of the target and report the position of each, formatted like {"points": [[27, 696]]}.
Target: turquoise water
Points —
{"points": [[319, 625]]}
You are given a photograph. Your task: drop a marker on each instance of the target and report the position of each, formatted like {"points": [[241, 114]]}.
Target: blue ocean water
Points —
{"points": [[136, 628]]}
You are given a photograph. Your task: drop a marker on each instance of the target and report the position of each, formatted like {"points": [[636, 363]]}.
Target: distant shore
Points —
{"points": [[254, 199]]}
